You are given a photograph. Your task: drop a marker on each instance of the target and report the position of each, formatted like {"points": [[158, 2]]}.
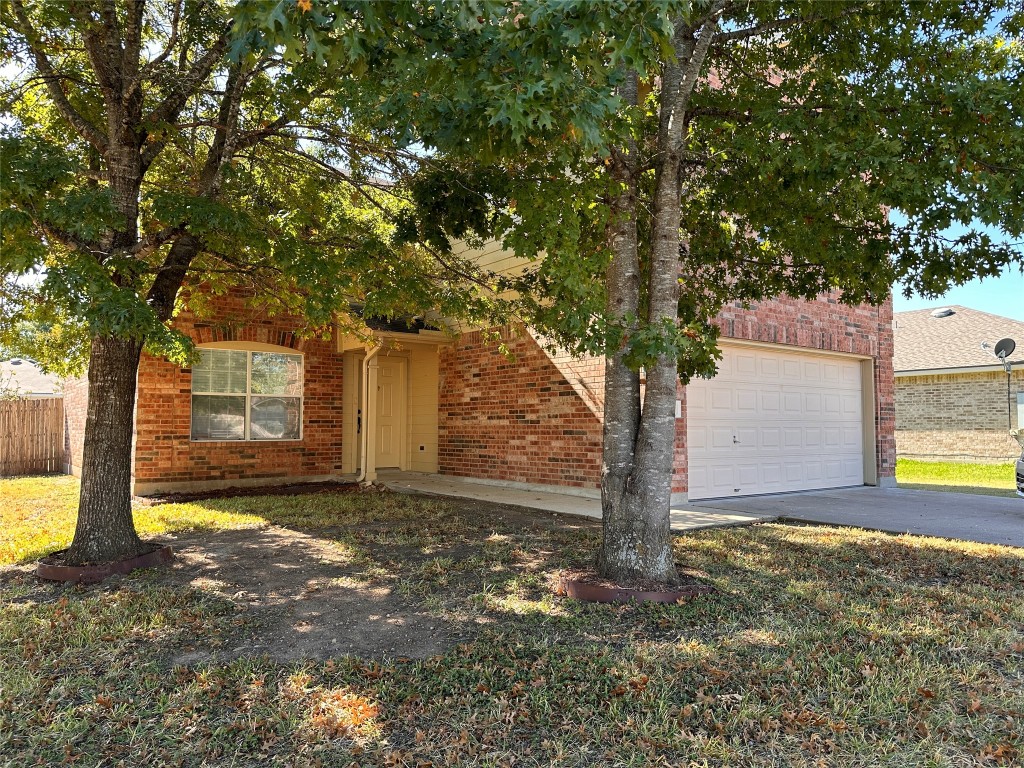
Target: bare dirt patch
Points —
{"points": [[388, 579], [302, 598]]}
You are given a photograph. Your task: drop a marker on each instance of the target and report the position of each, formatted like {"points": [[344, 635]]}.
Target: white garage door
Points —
{"points": [[774, 421]]}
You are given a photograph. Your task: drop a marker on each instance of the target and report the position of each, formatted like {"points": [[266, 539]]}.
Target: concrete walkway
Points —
{"points": [[988, 519], [584, 503]]}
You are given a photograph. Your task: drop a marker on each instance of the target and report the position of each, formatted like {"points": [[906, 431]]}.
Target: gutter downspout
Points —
{"points": [[366, 414]]}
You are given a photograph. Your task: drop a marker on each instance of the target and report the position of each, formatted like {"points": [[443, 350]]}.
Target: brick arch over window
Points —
{"points": [[207, 335]]}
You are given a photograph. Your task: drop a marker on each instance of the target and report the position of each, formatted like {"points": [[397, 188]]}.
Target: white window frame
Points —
{"points": [[249, 349]]}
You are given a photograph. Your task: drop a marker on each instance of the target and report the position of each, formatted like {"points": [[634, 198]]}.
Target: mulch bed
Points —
{"points": [[296, 489]]}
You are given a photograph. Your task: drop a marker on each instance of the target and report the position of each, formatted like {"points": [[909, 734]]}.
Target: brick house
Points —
{"points": [[803, 400], [952, 398]]}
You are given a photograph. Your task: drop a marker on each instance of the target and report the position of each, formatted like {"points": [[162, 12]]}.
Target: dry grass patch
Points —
{"points": [[823, 647]]}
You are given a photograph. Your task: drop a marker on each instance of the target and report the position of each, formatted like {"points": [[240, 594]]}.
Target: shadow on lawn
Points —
{"points": [[816, 632], [388, 576]]}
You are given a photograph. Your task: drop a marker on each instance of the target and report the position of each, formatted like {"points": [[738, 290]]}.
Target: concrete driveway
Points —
{"points": [[989, 519]]}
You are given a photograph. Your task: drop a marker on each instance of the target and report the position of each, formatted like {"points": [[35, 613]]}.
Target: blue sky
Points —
{"points": [[1000, 296]]}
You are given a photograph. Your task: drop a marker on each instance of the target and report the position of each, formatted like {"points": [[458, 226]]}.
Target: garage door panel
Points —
{"points": [[747, 474], [791, 370], [745, 364], [721, 476], [832, 404], [721, 401], [834, 470], [792, 403], [746, 401], [747, 437], [769, 367], [851, 405], [771, 438], [792, 438], [721, 437], [794, 472], [775, 421]]}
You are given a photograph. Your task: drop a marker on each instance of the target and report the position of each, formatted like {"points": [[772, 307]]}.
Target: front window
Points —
{"points": [[241, 395]]}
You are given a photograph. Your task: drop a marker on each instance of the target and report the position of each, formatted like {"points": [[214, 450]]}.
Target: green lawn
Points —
{"points": [[822, 647], [986, 479]]}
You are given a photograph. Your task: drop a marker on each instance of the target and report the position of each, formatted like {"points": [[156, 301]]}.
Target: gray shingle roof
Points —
{"points": [[25, 376], [924, 342]]}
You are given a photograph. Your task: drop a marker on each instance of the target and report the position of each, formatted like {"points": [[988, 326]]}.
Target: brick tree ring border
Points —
{"points": [[51, 569], [582, 586]]}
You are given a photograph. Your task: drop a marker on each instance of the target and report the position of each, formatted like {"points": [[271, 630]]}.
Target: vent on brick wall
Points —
{"points": [[943, 312]]}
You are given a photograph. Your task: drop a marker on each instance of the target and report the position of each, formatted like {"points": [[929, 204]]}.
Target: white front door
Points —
{"points": [[391, 399], [772, 421]]}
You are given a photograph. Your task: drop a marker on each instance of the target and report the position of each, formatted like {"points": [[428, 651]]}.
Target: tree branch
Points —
{"points": [[151, 242], [130, 69], [103, 46], [182, 90], [783, 23], [82, 126]]}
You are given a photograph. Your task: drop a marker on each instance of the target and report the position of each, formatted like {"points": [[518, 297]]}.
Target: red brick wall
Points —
{"points": [[518, 419], [76, 401], [165, 454], [535, 419], [532, 418]]}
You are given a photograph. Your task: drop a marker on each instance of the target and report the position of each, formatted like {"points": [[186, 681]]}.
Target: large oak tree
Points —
{"points": [[149, 146], [668, 158]]}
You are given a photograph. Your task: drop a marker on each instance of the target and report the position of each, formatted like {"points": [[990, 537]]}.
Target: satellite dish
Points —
{"points": [[1004, 348]]}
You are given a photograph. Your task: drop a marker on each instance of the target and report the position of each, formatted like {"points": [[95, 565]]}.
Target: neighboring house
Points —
{"points": [[23, 378], [952, 402], [803, 400]]}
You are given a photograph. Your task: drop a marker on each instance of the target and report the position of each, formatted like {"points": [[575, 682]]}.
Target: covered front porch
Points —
{"points": [[390, 399]]}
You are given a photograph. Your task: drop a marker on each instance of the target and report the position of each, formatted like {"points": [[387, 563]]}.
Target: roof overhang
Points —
{"points": [[953, 371], [369, 338]]}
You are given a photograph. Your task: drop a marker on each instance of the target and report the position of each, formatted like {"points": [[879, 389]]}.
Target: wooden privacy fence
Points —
{"points": [[31, 436]]}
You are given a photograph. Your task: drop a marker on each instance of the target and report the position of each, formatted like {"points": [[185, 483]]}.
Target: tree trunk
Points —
{"points": [[105, 530], [622, 543], [636, 488], [635, 542]]}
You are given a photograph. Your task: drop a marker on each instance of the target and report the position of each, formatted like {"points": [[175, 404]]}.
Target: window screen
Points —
{"points": [[240, 395]]}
